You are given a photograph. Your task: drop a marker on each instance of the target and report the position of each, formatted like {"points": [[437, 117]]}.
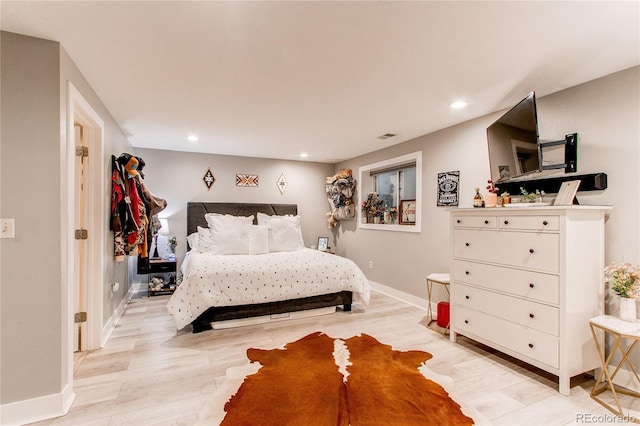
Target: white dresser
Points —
{"points": [[527, 280]]}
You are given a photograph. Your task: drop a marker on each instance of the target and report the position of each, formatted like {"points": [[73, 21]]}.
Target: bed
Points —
{"points": [[218, 287]]}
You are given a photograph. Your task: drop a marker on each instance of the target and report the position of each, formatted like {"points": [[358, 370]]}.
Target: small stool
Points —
{"points": [[443, 279]]}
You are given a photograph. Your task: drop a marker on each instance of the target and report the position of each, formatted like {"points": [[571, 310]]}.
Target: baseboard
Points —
{"points": [[400, 295], [108, 328], [37, 409]]}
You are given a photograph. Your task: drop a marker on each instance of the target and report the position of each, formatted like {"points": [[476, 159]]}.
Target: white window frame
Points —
{"points": [[365, 171]]}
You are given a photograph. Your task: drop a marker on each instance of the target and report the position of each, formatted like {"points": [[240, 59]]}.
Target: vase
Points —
{"points": [[627, 309], [491, 199]]}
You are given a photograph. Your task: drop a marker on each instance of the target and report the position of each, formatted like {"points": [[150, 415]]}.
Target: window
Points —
{"points": [[385, 187]]}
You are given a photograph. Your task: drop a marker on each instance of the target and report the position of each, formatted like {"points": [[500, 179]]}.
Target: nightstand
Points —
{"points": [[167, 270]]}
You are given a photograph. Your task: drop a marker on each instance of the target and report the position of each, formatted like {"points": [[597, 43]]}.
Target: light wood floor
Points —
{"points": [[150, 374]]}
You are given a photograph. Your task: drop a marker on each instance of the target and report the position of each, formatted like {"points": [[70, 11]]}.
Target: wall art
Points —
{"points": [[448, 185], [282, 183], [209, 179], [246, 180]]}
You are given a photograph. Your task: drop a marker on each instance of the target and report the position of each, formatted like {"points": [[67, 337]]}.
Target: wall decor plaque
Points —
{"points": [[282, 183], [246, 180], [209, 179], [448, 185]]}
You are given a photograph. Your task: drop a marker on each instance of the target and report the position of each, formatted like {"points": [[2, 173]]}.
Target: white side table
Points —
{"points": [[621, 331], [443, 279]]}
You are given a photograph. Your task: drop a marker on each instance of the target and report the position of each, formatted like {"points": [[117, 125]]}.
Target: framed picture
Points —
{"points": [[323, 243], [567, 193], [407, 212], [448, 188]]}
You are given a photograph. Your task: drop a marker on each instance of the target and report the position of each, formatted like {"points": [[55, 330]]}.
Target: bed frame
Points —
{"points": [[195, 218]]}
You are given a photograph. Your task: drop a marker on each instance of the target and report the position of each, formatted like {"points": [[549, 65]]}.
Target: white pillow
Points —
{"points": [[259, 239], [192, 240], [285, 233], [205, 240], [263, 219], [209, 217], [229, 236]]}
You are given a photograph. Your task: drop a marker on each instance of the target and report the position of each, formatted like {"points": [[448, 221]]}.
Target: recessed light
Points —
{"points": [[193, 138], [458, 104], [304, 155]]}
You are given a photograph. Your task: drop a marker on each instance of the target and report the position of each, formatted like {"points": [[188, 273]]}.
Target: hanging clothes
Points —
{"points": [[132, 207]]}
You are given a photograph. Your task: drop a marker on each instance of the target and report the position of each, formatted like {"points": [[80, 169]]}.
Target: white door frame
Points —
{"points": [[80, 111]]}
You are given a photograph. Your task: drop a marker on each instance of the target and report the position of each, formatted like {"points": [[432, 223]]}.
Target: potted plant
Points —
{"points": [[624, 280]]}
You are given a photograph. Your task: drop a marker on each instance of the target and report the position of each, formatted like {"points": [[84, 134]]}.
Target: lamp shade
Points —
{"points": [[164, 226]]}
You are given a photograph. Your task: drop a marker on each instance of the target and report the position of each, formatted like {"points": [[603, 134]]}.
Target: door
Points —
{"points": [[80, 251]]}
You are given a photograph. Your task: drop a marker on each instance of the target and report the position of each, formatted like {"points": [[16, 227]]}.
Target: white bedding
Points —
{"points": [[229, 280]]}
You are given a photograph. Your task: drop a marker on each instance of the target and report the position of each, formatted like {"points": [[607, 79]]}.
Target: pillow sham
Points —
{"points": [[210, 217], [205, 240], [285, 233], [192, 240], [229, 236]]}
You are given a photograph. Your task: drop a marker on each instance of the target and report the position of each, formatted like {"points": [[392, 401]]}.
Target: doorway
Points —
{"points": [[84, 229]]}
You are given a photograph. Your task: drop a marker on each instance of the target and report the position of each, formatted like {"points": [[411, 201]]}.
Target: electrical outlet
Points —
{"points": [[7, 228], [371, 264]]}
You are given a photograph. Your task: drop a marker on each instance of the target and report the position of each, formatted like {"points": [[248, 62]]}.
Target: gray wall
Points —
{"points": [[606, 115], [32, 295], [177, 177]]}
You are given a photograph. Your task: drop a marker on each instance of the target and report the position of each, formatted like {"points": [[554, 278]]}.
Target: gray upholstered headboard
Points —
{"points": [[196, 211]]}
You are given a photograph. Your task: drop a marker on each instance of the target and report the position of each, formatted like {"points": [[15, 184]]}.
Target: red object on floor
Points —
{"points": [[443, 314]]}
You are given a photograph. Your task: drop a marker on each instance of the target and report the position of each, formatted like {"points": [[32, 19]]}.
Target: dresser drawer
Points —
{"points": [[520, 311], [529, 223], [528, 284], [530, 343], [482, 222], [536, 251]]}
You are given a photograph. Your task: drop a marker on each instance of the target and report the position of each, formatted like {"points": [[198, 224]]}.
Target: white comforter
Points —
{"points": [[215, 280]]}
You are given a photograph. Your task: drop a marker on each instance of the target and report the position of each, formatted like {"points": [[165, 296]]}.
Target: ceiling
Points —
{"points": [[275, 79]]}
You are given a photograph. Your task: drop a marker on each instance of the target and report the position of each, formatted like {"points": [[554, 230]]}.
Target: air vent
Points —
{"points": [[386, 136]]}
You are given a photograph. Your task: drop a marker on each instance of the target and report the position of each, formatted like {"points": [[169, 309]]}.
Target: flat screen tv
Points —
{"points": [[513, 142]]}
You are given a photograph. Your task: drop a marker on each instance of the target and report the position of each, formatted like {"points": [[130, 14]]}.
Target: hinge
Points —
{"points": [[81, 234], [82, 151], [80, 317]]}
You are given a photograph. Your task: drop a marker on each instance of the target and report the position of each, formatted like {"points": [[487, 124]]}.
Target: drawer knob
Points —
{"points": [[466, 321], [531, 315], [466, 272], [467, 297], [506, 222], [486, 222], [531, 285], [545, 223], [531, 345], [458, 221], [467, 244], [531, 251]]}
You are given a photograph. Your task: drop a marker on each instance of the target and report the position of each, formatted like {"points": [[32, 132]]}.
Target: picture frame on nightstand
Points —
{"points": [[323, 243]]}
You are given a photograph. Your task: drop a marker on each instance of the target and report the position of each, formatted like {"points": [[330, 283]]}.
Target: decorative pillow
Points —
{"points": [[285, 233], [192, 240], [258, 239], [229, 236]]}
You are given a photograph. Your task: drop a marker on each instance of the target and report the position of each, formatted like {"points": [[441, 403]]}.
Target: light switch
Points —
{"points": [[7, 228]]}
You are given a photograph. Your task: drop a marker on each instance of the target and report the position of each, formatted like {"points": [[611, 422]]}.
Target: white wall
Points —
{"points": [[177, 177], [606, 115], [33, 314]]}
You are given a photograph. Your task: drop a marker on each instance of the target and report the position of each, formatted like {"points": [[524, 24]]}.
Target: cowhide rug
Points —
{"points": [[319, 380]]}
